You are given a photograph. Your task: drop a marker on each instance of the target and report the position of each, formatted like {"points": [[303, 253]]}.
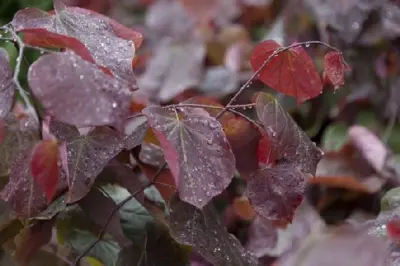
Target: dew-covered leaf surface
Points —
{"points": [[87, 155], [202, 230], [276, 192], [111, 44], [7, 86], [173, 68], [334, 68], [291, 72], [24, 195], [196, 150], [135, 130], [77, 92], [288, 141]]}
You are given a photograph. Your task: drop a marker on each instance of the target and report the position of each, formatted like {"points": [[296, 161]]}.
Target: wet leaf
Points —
{"points": [[76, 92], [24, 195], [173, 69], [203, 230], [87, 155], [31, 239], [288, 141], [111, 44], [99, 208], [334, 68], [7, 86], [291, 72], [196, 150], [276, 192], [44, 166], [135, 131]]}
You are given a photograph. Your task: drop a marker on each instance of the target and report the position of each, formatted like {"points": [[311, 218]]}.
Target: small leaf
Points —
{"points": [[76, 92], [99, 208], [334, 68], [202, 230], [288, 141], [87, 155], [7, 86], [44, 166], [196, 150], [291, 72], [391, 200], [276, 192], [335, 137]]}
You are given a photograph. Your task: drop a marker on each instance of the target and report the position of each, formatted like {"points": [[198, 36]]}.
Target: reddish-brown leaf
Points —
{"points": [[44, 166], [290, 71], [393, 229], [334, 68]]}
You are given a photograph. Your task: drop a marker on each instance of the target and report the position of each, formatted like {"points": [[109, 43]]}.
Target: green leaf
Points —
{"points": [[391, 200], [394, 140], [367, 119], [335, 136]]}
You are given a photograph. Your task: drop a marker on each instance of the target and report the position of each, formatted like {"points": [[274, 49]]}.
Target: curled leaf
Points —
{"points": [[334, 68]]}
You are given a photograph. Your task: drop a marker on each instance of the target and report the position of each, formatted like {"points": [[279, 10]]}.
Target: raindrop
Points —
{"points": [[81, 77], [307, 45], [114, 105]]}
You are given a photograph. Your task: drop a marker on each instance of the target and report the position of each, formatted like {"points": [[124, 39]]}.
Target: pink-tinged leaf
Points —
{"points": [[262, 237], [276, 192], [111, 44], [21, 131], [370, 146], [291, 72], [196, 150], [288, 141], [343, 246], [203, 230], [31, 239], [99, 208], [135, 129], [62, 150], [334, 68], [7, 86], [46, 135], [76, 92], [173, 69], [393, 229], [44, 166], [22, 192], [87, 155]]}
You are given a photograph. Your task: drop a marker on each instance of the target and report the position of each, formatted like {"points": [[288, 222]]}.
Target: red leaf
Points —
{"points": [[393, 229], [44, 166], [196, 150], [291, 72], [265, 152], [334, 68]]}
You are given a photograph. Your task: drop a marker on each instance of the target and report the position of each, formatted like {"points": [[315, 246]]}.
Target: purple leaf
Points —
{"points": [[173, 68], [202, 230], [111, 44], [276, 192], [7, 86], [289, 142], [21, 132], [196, 150], [99, 208], [135, 130], [22, 193], [262, 237], [341, 246], [87, 155], [77, 92]]}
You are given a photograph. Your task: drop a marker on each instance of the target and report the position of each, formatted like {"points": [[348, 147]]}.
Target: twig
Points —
{"points": [[119, 206], [21, 47]]}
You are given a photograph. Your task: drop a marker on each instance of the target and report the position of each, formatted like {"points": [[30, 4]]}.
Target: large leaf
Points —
{"points": [[276, 192], [99, 208], [77, 92], [202, 230], [111, 44], [173, 68], [196, 150], [7, 86], [24, 195], [289, 142], [291, 72], [87, 155]]}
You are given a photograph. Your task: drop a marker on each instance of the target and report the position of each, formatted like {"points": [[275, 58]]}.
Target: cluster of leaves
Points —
{"points": [[101, 167]]}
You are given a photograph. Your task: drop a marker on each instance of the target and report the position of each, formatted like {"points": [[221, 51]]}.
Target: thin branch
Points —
{"points": [[119, 206], [24, 96]]}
